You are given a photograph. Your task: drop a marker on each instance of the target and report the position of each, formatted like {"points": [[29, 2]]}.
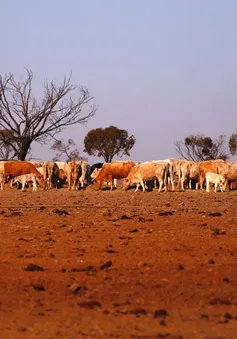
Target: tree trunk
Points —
{"points": [[23, 151]]}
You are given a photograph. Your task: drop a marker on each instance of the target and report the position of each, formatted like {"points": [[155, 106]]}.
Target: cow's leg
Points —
{"points": [[23, 185], [216, 184], [111, 182], [207, 186], [11, 182], [190, 184], [172, 181], [196, 185], [34, 186], [161, 182], [143, 186], [137, 186]]}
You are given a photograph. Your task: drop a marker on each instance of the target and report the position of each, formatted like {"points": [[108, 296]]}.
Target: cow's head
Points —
{"points": [[40, 180], [97, 184], [126, 184]]}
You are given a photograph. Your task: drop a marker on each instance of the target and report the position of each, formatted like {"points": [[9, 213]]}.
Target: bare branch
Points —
{"points": [[31, 120]]}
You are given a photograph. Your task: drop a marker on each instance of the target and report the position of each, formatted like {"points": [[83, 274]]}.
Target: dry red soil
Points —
{"points": [[118, 264]]}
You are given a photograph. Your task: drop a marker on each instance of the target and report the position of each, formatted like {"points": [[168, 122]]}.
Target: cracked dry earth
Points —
{"points": [[118, 264]]}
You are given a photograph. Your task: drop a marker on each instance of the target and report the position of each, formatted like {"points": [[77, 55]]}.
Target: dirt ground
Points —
{"points": [[90, 264]]}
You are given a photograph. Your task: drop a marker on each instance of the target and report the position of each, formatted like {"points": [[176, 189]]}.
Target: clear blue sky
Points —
{"points": [[160, 69]]}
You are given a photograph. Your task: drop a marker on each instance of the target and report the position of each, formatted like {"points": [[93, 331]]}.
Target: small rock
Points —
{"points": [[160, 313], [61, 212], [33, 267], [215, 214], [219, 301], [226, 280], [17, 214], [211, 261], [106, 265], [166, 213], [125, 217], [204, 316], [38, 287], [89, 304], [75, 287], [181, 267], [134, 230], [228, 316]]}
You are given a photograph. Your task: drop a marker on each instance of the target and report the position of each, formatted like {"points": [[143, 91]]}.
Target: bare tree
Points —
{"points": [[31, 120], [6, 151], [67, 149], [201, 148]]}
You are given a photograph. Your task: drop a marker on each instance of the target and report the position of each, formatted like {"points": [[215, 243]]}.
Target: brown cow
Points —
{"points": [[109, 171], [215, 166], [15, 168]]}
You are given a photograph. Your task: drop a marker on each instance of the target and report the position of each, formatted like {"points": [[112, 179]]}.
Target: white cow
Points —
{"points": [[145, 171], [25, 178], [216, 179]]}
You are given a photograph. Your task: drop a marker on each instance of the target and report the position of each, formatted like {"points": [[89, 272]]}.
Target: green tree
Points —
{"points": [[108, 142], [32, 120], [201, 148]]}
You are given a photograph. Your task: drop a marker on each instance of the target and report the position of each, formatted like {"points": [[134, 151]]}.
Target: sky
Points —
{"points": [[161, 69]]}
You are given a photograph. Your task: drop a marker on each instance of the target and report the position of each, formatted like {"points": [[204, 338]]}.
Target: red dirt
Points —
{"points": [[170, 264]]}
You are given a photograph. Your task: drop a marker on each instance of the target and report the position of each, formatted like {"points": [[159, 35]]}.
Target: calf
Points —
{"points": [[214, 178], [25, 178]]}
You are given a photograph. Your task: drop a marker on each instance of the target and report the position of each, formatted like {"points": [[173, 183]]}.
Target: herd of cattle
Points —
{"points": [[169, 174]]}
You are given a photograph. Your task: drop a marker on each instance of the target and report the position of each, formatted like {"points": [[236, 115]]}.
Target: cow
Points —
{"points": [[15, 168], [109, 171], [147, 171], [231, 174], [189, 171], [177, 169], [82, 172], [36, 163], [216, 166], [95, 174], [169, 171], [25, 178], [51, 174], [214, 178]]}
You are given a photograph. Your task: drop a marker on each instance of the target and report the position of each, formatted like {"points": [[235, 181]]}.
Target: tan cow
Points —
{"points": [[177, 168], [81, 173], [109, 171], [51, 174], [147, 171], [189, 171]]}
